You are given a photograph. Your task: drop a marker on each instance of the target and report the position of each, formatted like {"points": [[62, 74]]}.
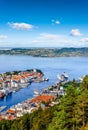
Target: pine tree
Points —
{"points": [[83, 103], [65, 117]]}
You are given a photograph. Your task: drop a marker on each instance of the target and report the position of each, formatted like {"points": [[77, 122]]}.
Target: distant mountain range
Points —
{"points": [[46, 52]]}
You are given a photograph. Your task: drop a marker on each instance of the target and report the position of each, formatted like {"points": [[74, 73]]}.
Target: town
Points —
{"points": [[13, 81], [47, 98]]}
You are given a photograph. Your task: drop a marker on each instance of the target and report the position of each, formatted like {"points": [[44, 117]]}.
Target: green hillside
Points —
{"points": [[44, 52]]}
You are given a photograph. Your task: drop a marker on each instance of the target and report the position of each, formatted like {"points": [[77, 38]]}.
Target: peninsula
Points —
{"points": [[13, 81]]}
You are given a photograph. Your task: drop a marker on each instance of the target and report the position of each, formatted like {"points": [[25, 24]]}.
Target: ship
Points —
{"points": [[63, 77]]}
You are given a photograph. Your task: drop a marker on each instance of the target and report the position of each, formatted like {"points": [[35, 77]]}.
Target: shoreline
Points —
{"points": [[44, 56], [14, 81], [48, 52]]}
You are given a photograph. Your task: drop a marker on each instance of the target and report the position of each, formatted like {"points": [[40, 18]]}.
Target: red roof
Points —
{"points": [[11, 111], [43, 98]]}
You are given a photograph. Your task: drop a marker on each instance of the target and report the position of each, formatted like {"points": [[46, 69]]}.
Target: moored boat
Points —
{"points": [[36, 93], [63, 77]]}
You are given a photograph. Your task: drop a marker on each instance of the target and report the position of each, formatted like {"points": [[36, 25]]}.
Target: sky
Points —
{"points": [[43, 23]]}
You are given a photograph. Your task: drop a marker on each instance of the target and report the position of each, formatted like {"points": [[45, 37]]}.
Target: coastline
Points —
{"points": [[13, 81], [47, 52]]}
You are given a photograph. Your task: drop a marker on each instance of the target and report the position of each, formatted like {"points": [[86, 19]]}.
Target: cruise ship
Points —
{"points": [[63, 77]]}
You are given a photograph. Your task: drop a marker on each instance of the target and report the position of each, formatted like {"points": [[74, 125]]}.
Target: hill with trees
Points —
{"points": [[46, 52], [70, 114]]}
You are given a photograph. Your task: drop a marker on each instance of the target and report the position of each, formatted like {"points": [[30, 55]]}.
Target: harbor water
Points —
{"points": [[51, 67]]}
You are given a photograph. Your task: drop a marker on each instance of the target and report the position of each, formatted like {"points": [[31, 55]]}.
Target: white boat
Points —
{"points": [[63, 77], [65, 74], [46, 79], [36, 92]]}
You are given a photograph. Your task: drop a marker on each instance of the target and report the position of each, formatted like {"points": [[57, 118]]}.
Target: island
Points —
{"points": [[15, 80]]}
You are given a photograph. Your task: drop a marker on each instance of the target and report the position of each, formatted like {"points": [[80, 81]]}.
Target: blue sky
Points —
{"points": [[44, 23]]}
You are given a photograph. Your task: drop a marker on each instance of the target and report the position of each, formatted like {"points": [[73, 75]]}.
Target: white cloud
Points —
{"points": [[3, 36], [75, 32], [49, 36], [20, 26], [55, 21], [56, 40], [84, 40], [52, 40]]}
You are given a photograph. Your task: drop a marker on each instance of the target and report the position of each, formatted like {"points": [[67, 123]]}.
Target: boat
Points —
{"points": [[36, 92], [40, 80], [63, 77], [46, 79], [23, 85]]}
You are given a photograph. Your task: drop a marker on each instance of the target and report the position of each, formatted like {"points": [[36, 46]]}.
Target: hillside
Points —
{"points": [[44, 52]]}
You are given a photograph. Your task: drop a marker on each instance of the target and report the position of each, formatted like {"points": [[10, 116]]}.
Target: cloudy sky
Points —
{"points": [[43, 23]]}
